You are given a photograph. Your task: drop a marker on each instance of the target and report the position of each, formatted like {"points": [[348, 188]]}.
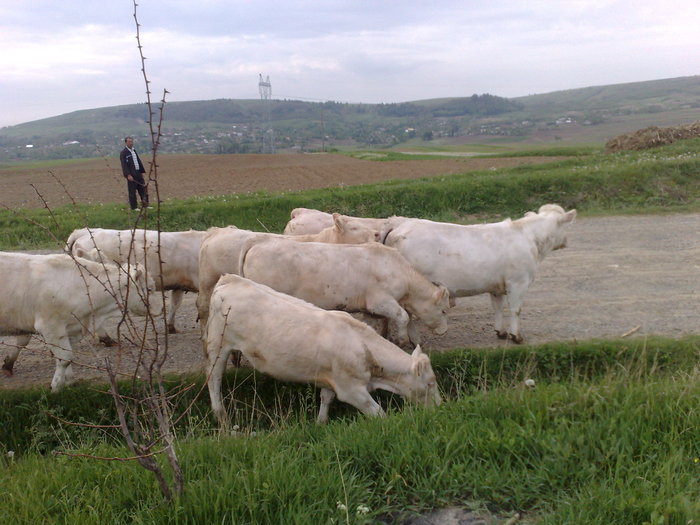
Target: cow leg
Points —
{"points": [[216, 365], [413, 333], [63, 354], [497, 304], [104, 337], [9, 362], [389, 308], [516, 294], [359, 397], [327, 397], [215, 372], [175, 302], [206, 286]]}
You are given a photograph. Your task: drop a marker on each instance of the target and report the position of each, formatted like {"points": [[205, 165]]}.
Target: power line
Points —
{"points": [[268, 135]]}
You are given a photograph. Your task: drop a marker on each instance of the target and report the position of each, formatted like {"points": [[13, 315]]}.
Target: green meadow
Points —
{"points": [[609, 433]]}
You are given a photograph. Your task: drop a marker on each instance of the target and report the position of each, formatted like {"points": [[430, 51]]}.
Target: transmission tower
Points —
{"points": [[268, 135]]}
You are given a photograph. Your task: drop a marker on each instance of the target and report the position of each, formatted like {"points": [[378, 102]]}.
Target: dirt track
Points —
{"points": [[618, 275], [637, 275]]}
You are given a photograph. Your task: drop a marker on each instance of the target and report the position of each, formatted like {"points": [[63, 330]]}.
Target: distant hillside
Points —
{"points": [[589, 115]]}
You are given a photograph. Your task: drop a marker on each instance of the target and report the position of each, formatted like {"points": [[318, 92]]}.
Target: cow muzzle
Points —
{"points": [[441, 329]]}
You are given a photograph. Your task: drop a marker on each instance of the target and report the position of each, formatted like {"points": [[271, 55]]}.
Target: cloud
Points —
{"points": [[83, 54]]}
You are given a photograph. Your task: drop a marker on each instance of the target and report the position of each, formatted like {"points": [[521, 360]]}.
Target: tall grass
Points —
{"points": [[32, 420], [609, 434], [618, 449], [661, 179]]}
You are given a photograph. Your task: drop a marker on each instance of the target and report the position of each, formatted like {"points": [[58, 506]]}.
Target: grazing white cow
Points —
{"points": [[220, 251], [60, 299], [497, 258], [292, 340], [306, 220], [179, 252], [367, 277]]}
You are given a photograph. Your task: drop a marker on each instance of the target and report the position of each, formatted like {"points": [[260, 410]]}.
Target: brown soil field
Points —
{"points": [[620, 276], [182, 176]]}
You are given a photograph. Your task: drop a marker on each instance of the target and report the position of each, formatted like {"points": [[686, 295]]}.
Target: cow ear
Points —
{"points": [[418, 365], [338, 221], [568, 217], [440, 294]]}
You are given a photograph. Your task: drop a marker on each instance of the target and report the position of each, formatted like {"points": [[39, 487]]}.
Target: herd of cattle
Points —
{"points": [[284, 300]]}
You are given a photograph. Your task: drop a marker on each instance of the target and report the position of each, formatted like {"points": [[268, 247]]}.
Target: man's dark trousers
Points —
{"points": [[137, 185]]}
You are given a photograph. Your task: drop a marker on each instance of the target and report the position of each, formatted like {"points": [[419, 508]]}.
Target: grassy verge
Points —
{"points": [[610, 440], [609, 434], [663, 179], [31, 420]]}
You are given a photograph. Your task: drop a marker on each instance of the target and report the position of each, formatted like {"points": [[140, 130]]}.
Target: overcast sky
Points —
{"points": [[80, 54]]}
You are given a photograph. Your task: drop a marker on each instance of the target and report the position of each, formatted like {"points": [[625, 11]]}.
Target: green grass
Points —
{"points": [[608, 435], [632, 182]]}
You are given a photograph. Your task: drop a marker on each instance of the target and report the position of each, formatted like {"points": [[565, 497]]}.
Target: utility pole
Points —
{"points": [[268, 135]]}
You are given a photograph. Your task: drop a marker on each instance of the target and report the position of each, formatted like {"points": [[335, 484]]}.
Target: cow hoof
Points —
{"points": [[517, 339], [171, 329], [107, 341], [501, 334]]}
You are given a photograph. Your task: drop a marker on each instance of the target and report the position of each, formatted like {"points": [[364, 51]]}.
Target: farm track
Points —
{"points": [[637, 274]]}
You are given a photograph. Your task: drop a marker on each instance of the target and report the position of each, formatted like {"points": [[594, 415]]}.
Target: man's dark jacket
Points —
{"points": [[128, 166]]}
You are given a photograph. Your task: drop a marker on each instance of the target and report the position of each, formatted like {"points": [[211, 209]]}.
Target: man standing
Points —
{"points": [[133, 170]]}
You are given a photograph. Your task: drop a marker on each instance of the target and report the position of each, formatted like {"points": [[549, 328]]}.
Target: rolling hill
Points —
{"points": [[589, 115]]}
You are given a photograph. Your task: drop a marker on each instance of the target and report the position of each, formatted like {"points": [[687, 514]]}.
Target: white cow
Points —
{"points": [[292, 340], [220, 251], [497, 258], [353, 277], [179, 252], [306, 220], [61, 299]]}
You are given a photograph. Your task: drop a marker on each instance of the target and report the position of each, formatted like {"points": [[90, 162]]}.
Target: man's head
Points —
{"points": [[129, 141]]}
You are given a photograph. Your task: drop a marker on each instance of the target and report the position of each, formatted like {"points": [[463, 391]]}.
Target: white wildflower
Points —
{"points": [[362, 510], [341, 506], [529, 382]]}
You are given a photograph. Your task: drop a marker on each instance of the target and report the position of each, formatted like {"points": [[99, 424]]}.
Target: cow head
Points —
{"points": [[422, 384], [351, 231], [555, 238], [432, 310], [143, 298]]}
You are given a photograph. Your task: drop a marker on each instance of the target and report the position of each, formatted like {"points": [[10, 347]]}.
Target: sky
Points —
{"points": [[82, 54]]}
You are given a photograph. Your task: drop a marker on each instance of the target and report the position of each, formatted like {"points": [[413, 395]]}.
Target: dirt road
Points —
{"points": [[638, 274]]}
